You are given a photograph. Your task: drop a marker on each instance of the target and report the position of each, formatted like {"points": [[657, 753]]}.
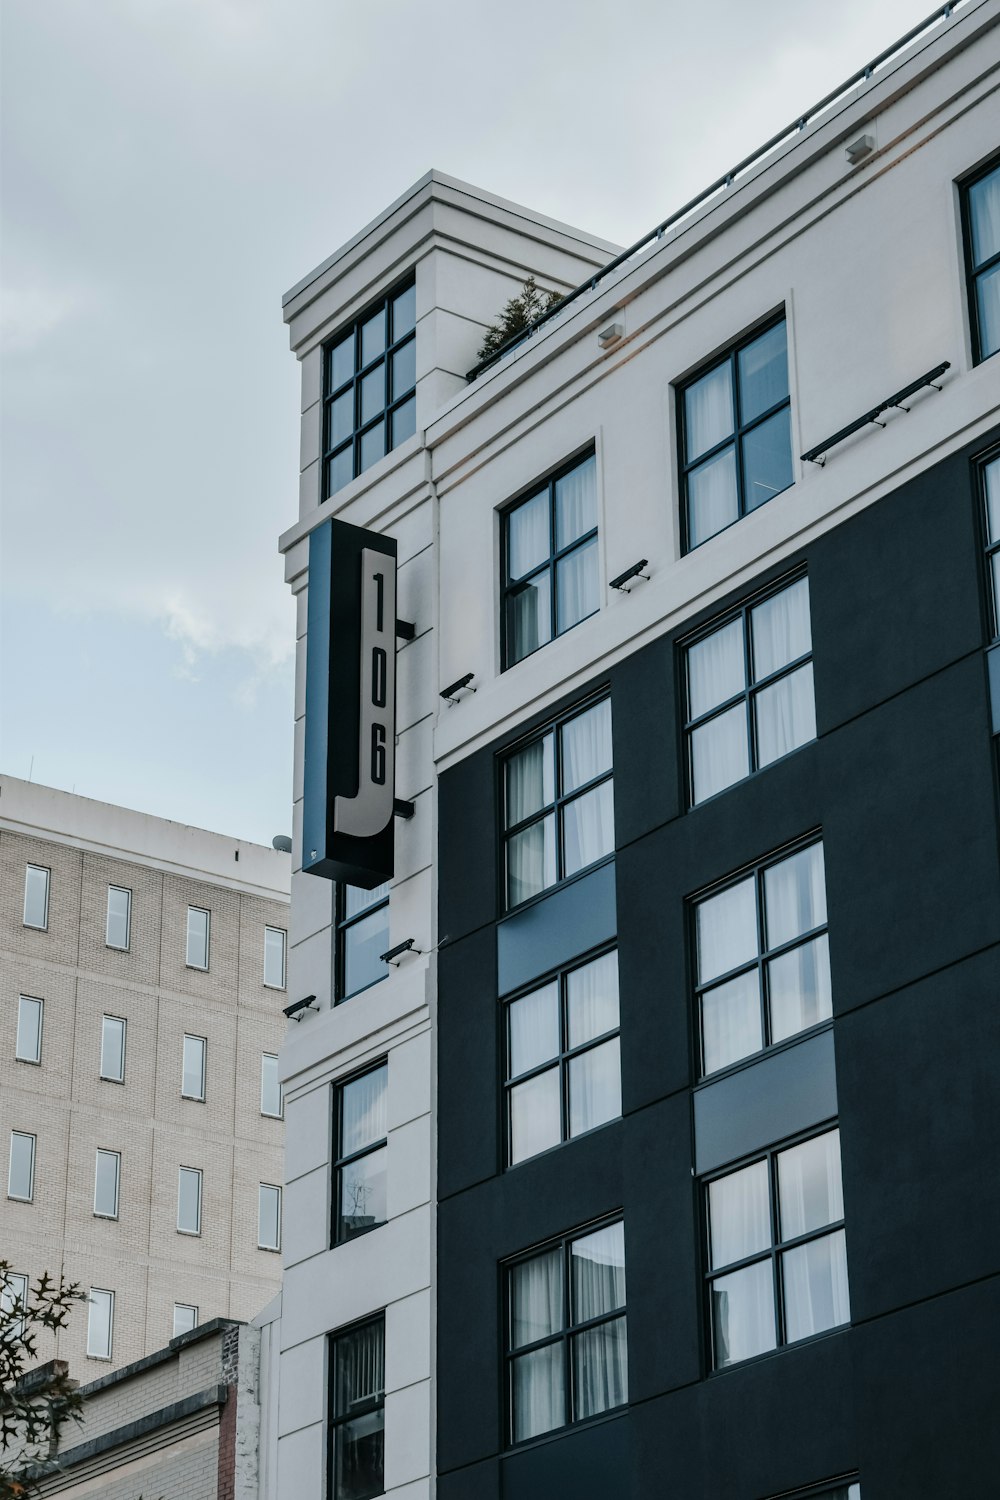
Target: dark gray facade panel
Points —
{"points": [[993, 662], [556, 929], [591, 1462], [468, 1066], [648, 784], [467, 847], [775, 1097]]}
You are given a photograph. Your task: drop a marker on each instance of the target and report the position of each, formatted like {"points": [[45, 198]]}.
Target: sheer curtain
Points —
{"points": [[726, 927], [365, 1115], [795, 896], [600, 1355], [360, 1367], [712, 497], [798, 987], [708, 411], [592, 999], [742, 1302], [588, 822], [739, 1214], [730, 1021], [529, 617], [586, 746], [780, 629], [595, 1088], [576, 503], [720, 753], [536, 1311], [576, 587], [530, 783], [809, 1185], [743, 1313], [534, 1029], [814, 1277], [984, 217], [528, 536], [785, 715], [715, 669]]}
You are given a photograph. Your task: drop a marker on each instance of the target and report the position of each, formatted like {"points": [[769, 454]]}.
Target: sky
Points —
{"points": [[168, 169]]}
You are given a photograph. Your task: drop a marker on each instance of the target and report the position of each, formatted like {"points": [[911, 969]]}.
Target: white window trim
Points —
{"points": [[185, 1307], [110, 1077], [103, 1292], [100, 1213], [18, 1054], [268, 984], [15, 1289], [198, 1171], [19, 1197], [202, 968], [271, 1114], [37, 926], [119, 947], [273, 1188], [190, 1036]]}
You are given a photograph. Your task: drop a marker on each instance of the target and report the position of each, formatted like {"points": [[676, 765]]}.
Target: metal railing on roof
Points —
{"points": [[797, 126]]}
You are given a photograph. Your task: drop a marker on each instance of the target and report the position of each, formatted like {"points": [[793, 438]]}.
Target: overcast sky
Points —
{"points": [[169, 169]]}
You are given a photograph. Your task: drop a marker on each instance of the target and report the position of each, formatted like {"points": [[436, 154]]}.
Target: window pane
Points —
{"points": [[730, 1021], [780, 630], [404, 422], [538, 1392], [767, 459], [340, 419], [588, 828], [600, 1369], [739, 1214], [595, 1088], [577, 593], [763, 372], [814, 1278], [404, 369], [530, 780], [528, 541], [340, 363], [984, 217], [592, 999], [372, 446], [576, 503], [716, 669], [100, 1315], [274, 957], [708, 411], [193, 1077], [269, 1217], [992, 478], [189, 1200], [373, 336], [357, 900], [988, 298], [363, 1194], [713, 501], [340, 470], [360, 1461], [529, 617], [21, 1171], [743, 1314], [585, 743], [534, 1029], [531, 861], [372, 393], [197, 938], [36, 896], [598, 1271], [535, 1116], [185, 1318], [794, 896], [727, 929], [404, 312], [363, 942], [536, 1298], [798, 987], [364, 1113], [119, 911], [29, 1029], [785, 715], [112, 1048], [719, 753], [270, 1088], [809, 1188], [359, 1368], [106, 1184]]}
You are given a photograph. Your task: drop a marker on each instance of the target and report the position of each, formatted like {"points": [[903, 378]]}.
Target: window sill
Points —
{"points": [[281, 988], [270, 1249], [35, 926], [16, 1198], [105, 1079], [108, 1218], [197, 968], [192, 1234], [194, 1098], [32, 1062]]}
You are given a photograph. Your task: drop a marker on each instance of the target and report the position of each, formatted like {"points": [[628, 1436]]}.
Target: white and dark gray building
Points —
{"points": [[642, 1101]]}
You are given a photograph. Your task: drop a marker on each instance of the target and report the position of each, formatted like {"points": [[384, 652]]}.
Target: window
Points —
{"points": [[750, 690], [736, 443], [762, 958], [981, 208], [185, 1318], [359, 1173], [36, 897], [119, 923], [189, 1200], [100, 1323], [268, 1217], [563, 1064], [28, 1047], [193, 1068], [274, 957], [21, 1172], [357, 1412], [370, 378], [113, 1049], [271, 1102], [13, 1299], [362, 936], [550, 560], [777, 1253], [991, 502], [558, 803], [107, 1177], [198, 925], [567, 1355]]}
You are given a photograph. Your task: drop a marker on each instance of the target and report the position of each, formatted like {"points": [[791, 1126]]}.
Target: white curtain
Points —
{"points": [[530, 783], [600, 1368], [712, 497], [984, 213], [715, 669], [592, 999], [720, 754], [539, 1392], [529, 622], [577, 594], [814, 1277], [763, 372], [993, 499], [588, 828], [360, 1367], [531, 861], [536, 1298], [785, 715], [534, 1029], [708, 411], [743, 1314], [365, 1113], [595, 1088], [730, 1021], [598, 1273], [576, 503], [726, 927], [798, 987], [809, 1185], [586, 746], [528, 536], [535, 1116], [780, 629], [739, 1214], [795, 896]]}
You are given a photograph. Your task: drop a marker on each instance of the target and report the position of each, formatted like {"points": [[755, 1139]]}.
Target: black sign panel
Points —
{"points": [[350, 738]]}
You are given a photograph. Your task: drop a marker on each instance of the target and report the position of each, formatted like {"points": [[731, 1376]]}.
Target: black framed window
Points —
{"points": [[362, 936], [563, 1058], [567, 1345], [359, 1176], [369, 387], [735, 438], [357, 1411], [777, 1257], [550, 562], [750, 696], [762, 957], [981, 215], [558, 802], [990, 483]]}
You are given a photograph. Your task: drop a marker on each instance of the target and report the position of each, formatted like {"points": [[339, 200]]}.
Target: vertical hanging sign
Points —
{"points": [[350, 731]]}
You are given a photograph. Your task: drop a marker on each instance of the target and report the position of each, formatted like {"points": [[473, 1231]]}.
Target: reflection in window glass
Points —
{"points": [[28, 1047], [357, 1411], [36, 896], [360, 1171], [185, 1318], [274, 957], [107, 1175], [270, 1089], [21, 1170], [269, 1217], [198, 922], [193, 1069], [370, 376], [189, 1200], [113, 1048], [100, 1323], [363, 936], [119, 919], [982, 214]]}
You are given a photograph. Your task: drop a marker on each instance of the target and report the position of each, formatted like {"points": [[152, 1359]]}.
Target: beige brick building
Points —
{"points": [[142, 981]]}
